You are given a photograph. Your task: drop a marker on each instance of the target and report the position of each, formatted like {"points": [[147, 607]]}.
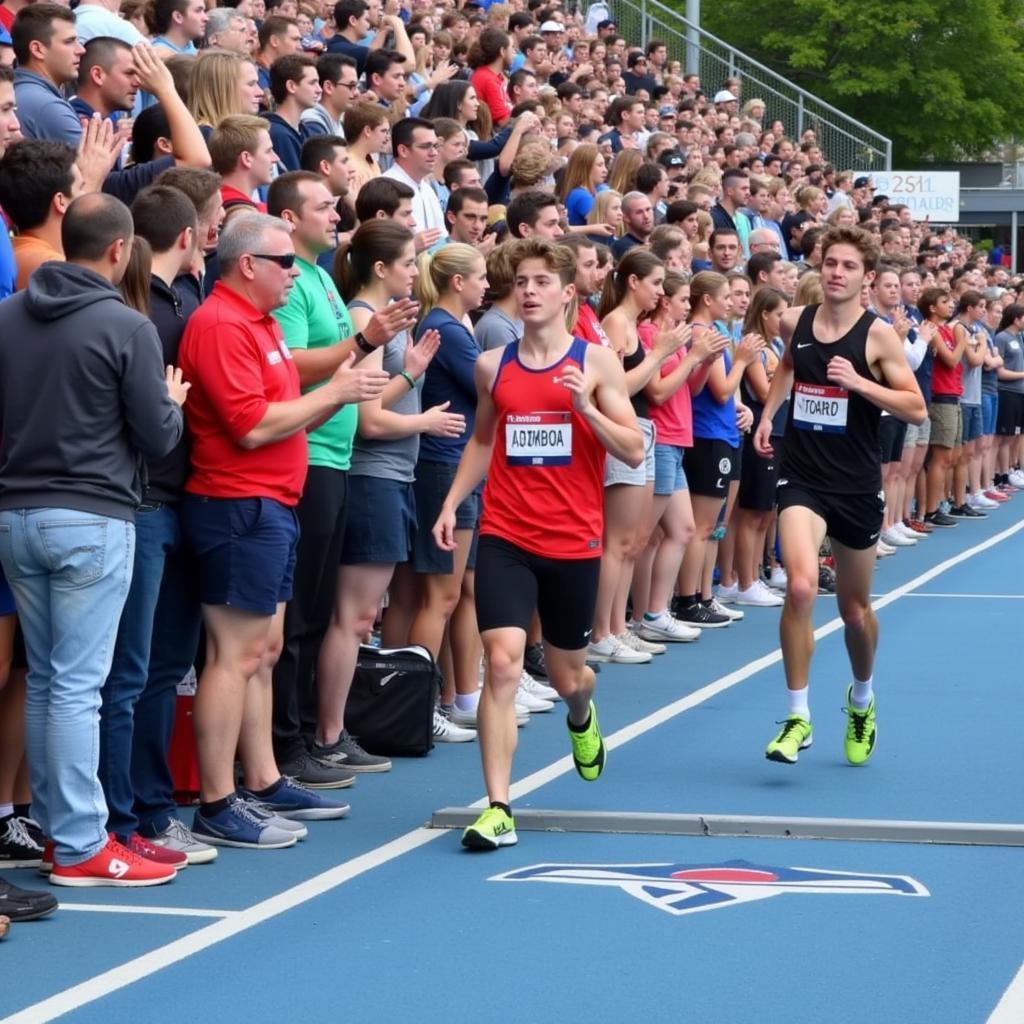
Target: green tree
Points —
{"points": [[942, 78]]}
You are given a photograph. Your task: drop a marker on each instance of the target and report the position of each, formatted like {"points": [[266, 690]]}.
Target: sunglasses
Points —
{"points": [[284, 260]]}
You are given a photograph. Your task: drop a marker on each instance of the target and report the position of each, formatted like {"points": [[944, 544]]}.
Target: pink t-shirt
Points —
{"points": [[673, 419]]}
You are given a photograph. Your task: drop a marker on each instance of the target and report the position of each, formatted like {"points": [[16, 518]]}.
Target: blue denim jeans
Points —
{"points": [[70, 572], [156, 529], [172, 652]]}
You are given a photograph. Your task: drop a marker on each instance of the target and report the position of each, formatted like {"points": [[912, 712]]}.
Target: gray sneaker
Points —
{"points": [[265, 814], [347, 752], [178, 837], [316, 774]]}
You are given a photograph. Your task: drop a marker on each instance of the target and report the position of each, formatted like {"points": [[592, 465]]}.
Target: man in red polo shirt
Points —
{"points": [[248, 468]]}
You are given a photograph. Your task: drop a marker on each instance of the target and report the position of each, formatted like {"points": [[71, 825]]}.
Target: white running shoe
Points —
{"points": [[727, 595], [527, 700], [448, 732], [906, 531], [630, 639], [883, 550], [896, 540], [979, 501], [627, 655], [464, 719], [778, 578], [536, 688], [602, 650], [760, 595], [719, 609], [668, 629], [1017, 478]]}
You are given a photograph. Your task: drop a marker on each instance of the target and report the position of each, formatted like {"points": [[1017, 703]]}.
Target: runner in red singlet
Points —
{"points": [[549, 406]]}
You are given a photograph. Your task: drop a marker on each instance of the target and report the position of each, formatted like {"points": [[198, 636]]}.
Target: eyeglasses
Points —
{"points": [[284, 260], [427, 145], [345, 85]]}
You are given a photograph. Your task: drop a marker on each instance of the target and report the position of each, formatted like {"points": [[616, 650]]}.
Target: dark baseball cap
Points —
{"points": [[672, 158], [862, 182], [607, 23]]}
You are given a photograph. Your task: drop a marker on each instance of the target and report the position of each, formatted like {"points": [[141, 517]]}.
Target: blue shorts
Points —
{"points": [[433, 481], [380, 522], [972, 422], [245, 550], [989, 411], [668, 469]]}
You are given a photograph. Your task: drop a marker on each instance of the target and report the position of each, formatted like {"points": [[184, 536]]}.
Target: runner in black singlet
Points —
{"points": [[841, 366]]}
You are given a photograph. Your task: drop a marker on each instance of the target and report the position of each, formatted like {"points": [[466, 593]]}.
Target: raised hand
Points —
{"points": [[394, 318], [176, 387], [350, 383], [418, 356]]}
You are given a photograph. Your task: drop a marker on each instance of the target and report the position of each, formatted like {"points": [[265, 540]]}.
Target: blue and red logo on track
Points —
{"points": [[690, 888]]}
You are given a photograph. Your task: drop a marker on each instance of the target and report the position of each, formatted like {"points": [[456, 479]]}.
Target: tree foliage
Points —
{"points": [[942, 78]]}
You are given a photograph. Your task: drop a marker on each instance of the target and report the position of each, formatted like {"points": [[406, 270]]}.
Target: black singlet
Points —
{"points": [[639, 400], [831, 434]]}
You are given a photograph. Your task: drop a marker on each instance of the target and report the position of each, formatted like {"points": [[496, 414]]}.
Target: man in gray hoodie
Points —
{"points": [[84, 397]]}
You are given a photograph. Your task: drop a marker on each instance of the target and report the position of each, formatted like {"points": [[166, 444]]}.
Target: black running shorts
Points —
{"points": [[854, 520], [511, 583]]}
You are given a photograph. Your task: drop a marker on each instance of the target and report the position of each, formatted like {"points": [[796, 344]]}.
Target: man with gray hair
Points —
{"points": [[248, 421], [638, 218], [764, 240], [228, 29]]}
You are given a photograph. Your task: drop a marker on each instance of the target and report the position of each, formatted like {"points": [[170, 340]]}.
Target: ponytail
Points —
{"points": [[374, 241], [437, 270], [638, 263]]}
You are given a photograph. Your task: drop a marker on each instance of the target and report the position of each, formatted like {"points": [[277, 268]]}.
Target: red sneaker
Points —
{"points": [[993, 495], [919, 526], [159, 854], [113, 865], [46, 865]]}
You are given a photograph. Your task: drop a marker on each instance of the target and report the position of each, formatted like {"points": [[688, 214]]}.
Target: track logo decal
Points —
{"points": [[689, 888]]}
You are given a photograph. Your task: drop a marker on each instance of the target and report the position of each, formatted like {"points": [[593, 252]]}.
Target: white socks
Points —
{"points": [[860, 695], [798, 703], [467, 701]]}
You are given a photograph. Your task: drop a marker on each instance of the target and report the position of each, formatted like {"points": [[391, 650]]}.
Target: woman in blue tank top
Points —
{"points": [[714, 458]]}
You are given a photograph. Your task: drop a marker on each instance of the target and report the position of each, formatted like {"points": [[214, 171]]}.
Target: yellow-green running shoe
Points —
{"points": [[492, 829], [796, 735], [588, 751], [860, 731]]}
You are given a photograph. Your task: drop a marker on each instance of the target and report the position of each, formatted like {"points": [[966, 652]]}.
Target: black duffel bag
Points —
{"points": [[390, 708]]}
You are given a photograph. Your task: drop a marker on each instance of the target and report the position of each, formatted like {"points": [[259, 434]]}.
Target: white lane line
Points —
{"points": [[976, 597], [114, 908], [1010, 1009], [149, 963]]}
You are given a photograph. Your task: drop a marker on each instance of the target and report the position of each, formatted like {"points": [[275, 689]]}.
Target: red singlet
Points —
{"points": [[545, 486]]}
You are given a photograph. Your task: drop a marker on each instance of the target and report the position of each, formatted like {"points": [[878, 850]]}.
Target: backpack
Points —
{"points": [[391, 704]]}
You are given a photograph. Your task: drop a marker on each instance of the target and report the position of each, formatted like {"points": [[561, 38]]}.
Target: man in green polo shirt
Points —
{"points": [[318, 331]]}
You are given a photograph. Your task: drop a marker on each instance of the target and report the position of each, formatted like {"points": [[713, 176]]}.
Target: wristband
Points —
{"points": [[362, 343], [408, 379]]}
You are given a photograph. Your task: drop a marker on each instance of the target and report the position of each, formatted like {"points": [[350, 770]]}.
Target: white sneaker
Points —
{"points": [[979, 501], [630, 638], [627, 655], [883, 550], [719, 609], [759, 595], [906, 531], [538, 689], [778, 578], [1017, 478], [449, 732], [522, 714], [527, 700], [603, 650], [464, 719], [727, 595], [896, 540], [666, 628]]}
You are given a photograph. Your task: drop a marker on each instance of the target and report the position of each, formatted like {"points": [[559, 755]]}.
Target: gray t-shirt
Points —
{"points": [[495, 329], [390, 459], [1011, 349], [972, 374]]}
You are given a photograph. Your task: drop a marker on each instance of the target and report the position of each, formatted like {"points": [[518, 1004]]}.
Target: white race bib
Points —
{"points": [[538, 439], [820, 408]]}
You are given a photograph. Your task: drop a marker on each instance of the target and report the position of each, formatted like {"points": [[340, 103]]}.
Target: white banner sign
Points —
{"points": [[931, 194]]}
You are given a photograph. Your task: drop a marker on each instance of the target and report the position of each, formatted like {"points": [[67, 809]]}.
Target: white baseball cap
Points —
{"points": [[724, 96], [552, 26]]}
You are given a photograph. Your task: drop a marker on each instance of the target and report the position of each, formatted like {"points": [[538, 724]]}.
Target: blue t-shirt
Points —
{"points": [[578, 204], [8, 268], [712, 419], [449, 378]]}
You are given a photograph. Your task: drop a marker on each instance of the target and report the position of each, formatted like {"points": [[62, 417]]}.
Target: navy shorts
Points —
{"points": [[380, 522], [6, 597], [989, 410], [433, 481], [245, 550]]}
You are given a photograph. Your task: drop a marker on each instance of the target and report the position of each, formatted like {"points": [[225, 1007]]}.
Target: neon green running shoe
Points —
{"points": [[860, 731], [492, 829], [588, 751], [796, 735]]}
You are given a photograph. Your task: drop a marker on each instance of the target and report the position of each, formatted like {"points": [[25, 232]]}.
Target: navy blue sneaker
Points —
{"points": [[294, 801], [237, 825]]}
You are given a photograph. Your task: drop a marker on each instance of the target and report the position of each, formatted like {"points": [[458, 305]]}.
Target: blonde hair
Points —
{"points": [[707, 282], [705, 225], [214, 87], [809, 290], [622, 177], [532, 164], [438, 268], [807, 195], [599, 211]]}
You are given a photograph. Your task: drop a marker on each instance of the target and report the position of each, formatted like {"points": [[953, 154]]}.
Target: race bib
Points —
{"points": [[538, 439], [820, 408]]}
